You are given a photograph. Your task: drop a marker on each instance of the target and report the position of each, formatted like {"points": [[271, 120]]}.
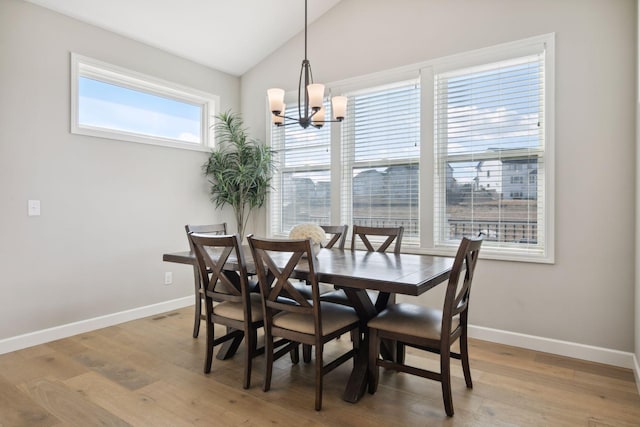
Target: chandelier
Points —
{"points": [[310, 98]]}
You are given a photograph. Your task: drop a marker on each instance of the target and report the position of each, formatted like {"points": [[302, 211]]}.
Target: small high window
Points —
{"points": [[112, 102]]}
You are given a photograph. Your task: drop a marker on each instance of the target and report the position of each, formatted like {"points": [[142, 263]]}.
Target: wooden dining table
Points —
{"points": [[356, 272]]}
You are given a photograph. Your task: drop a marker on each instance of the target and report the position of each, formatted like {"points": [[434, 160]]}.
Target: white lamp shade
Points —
{"points": [[339, 107], [276, 100], [318, 118], [316, 95]]}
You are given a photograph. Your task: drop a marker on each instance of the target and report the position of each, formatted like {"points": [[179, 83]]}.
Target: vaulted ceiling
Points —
{"points": [[228, 35]]}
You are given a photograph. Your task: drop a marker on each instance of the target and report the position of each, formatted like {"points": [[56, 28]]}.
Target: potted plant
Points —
{"points": [[239, 168]]}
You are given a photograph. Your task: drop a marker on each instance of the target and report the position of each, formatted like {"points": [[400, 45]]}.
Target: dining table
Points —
{"points": [[355, 271]]}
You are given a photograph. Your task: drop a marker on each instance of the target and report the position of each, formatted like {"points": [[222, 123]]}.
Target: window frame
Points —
{"points": [[488, 56], [429, 168], [83, 66], [349, 163]]}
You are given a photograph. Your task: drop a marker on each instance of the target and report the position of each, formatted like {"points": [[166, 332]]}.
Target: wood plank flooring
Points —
{"points": [[148, 372]]}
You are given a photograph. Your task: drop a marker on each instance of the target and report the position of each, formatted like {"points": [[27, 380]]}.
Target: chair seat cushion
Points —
{"points": [[305, 290], [334, 317], [234, 310], [411, 319], [339, 297]]}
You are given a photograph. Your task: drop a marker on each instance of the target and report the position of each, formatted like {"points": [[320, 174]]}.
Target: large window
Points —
{"points": [[490, 141], [381, 152], [447, 148], [111, 102]]}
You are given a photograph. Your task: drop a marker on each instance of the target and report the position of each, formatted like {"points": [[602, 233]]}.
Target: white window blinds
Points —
{"points": [[302, 182], [490, 155], [380, 152]]}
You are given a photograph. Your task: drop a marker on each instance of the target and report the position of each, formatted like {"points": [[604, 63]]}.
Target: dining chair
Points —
{"points": [[338, 235], [296, 318], [391, 234], [209, 229], [236, 307], [430, 329]]}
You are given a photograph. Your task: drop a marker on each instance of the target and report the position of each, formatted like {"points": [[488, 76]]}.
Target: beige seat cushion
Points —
{"points": [[334, 317], [234, 310], [305, 290], [411, 319], [338, 296]]}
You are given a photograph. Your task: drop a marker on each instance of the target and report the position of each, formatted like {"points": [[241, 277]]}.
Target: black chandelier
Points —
{"points": [[310, 98]]}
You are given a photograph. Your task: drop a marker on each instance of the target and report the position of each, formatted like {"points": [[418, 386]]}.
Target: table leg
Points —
{"points": [[358, 379], [387, 347], [357, 383], [229, 348]]}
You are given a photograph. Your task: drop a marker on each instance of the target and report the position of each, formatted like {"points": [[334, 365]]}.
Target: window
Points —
{"points": [[492, 116], [380, 156], [302, 181], [112, 102], [447, 148]]}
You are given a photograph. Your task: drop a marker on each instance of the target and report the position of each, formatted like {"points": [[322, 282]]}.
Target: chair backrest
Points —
{"points": [[339, 235], [456, 300], [392, 233], [212, 252], [279, 259], [210, 229]]}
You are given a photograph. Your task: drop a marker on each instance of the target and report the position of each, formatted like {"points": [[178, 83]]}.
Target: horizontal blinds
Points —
{"points": [[381, 149], [302, 182], [489, 143]]}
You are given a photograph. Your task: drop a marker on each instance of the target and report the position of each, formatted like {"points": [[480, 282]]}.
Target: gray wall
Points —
{"points": [[637, 194], [587, 296], [109, 208]]}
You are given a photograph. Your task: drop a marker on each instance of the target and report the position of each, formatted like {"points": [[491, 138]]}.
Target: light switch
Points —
{"points": [[34, 207]]}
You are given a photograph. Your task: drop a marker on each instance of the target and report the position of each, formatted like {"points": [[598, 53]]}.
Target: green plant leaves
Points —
{"points": [[239, 168]]}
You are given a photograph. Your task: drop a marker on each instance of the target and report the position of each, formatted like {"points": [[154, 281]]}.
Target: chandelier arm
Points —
{"points": [[297, 122], [286, 117], [292, 122]]}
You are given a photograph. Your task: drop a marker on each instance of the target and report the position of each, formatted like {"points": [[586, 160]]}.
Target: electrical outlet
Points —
{"points": [[168, 278], [34, 207]]}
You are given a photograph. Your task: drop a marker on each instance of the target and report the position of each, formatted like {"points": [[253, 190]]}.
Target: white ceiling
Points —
{"points": [[228, 35]]}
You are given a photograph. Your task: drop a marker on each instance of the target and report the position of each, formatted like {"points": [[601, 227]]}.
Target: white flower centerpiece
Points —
{"points": [[309, 231]]}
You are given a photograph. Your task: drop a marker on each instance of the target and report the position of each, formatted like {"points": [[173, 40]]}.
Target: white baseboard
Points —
{"points": [[51, 334], [563, 348]]}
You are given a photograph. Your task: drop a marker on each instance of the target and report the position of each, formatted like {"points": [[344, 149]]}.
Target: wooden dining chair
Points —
{"points": [[338, 235], [209, 229], [430, 329], [389, 233], [290, 315], [236, 307]]}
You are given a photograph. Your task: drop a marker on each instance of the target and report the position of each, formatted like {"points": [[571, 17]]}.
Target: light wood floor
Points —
{"points": [[149, 373]]}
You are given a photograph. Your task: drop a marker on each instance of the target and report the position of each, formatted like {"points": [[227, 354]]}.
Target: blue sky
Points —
{"points": [[111, 106]]}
